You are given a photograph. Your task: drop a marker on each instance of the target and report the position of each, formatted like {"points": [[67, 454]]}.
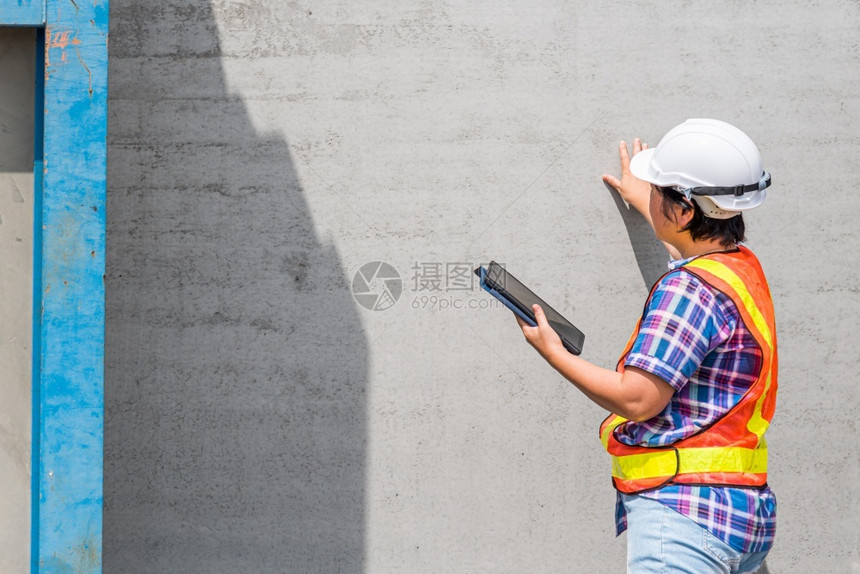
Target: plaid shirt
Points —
{"points": [[692, 336]]}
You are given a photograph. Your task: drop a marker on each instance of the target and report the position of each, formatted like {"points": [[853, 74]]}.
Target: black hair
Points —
{"points": [[727, 231]]}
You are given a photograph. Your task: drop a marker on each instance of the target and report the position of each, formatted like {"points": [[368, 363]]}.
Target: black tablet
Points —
{"points": [[519, 298]]}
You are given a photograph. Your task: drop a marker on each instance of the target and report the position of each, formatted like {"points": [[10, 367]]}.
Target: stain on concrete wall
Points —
{"points": [[17, 89], [262, 152]]}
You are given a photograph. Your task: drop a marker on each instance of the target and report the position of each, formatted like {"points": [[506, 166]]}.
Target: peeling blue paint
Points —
{"points": [[68, 307]]}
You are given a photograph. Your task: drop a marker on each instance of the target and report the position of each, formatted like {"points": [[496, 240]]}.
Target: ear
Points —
{"points": [[683, 216]]}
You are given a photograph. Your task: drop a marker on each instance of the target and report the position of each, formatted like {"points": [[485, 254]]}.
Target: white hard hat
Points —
{"points": [[711, 162]]}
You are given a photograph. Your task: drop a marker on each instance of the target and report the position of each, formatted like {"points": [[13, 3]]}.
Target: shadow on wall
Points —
{"points": [[17, 55], [236, 364], [651, 255]]}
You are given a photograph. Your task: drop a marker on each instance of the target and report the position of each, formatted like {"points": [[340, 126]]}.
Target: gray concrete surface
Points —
{"points": [[17, 64], [260, 420]]}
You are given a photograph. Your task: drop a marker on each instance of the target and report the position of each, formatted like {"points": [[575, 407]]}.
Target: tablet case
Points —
{"points": [[518, 309], [482, 273]]}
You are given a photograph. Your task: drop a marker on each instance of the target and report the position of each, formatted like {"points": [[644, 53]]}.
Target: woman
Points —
{"points": [[694, 390]]}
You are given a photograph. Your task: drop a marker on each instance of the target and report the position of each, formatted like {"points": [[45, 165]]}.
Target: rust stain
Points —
{"points": [[48, 33]]}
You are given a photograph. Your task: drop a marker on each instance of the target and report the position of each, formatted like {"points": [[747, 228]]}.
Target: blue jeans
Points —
{"points": [[663, 541]]}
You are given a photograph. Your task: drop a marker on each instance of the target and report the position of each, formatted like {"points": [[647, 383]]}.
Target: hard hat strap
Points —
{"points": [[738, 190]]}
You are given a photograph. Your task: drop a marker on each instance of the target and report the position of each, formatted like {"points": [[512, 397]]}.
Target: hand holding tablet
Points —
{"points": [[519, 299]]}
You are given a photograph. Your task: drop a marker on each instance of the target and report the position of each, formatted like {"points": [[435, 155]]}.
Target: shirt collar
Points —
{"points": [[675, 263]]}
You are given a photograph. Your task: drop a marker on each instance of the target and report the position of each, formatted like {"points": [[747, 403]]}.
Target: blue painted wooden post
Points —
{"points": [[69, 513], [69, 239]]}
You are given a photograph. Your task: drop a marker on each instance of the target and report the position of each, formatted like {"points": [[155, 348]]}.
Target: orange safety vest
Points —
{"points": [[732, 450]]}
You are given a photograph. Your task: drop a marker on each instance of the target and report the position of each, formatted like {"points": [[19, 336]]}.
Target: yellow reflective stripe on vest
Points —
{"points": [[720, 270], [613, 424], [757, 423], [692, 461]]}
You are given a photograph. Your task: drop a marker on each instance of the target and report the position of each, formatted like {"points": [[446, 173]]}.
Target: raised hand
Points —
{"points": [[632, 189]]}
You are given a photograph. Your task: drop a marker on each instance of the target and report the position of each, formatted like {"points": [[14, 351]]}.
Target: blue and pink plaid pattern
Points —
{"points": [[692, 336]]}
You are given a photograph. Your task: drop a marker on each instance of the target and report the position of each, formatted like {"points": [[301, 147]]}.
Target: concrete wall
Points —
{"points": [[258, 418], [17, 65]]}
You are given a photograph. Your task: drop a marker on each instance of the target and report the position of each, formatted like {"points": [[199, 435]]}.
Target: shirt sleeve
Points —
{"points": [[683, 321]]}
